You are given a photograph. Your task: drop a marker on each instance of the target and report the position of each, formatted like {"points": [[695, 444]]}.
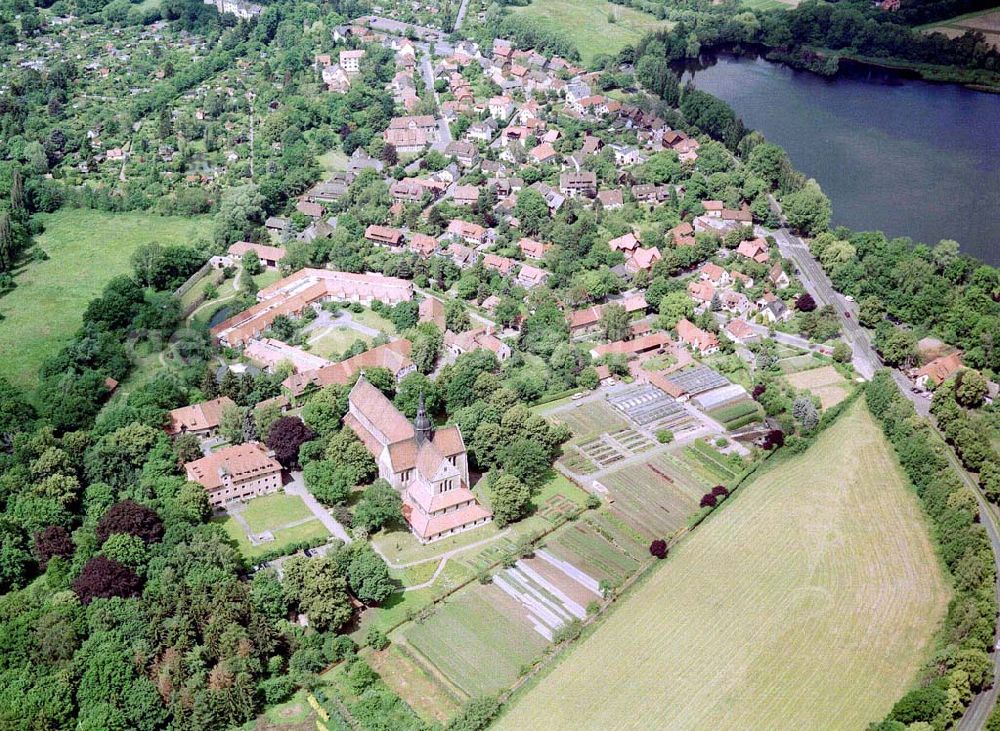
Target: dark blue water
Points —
{"points": [[907, 157]]}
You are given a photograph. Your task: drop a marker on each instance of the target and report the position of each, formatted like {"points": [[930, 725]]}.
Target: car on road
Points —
{"points": [[308, 552], [848, 297]]}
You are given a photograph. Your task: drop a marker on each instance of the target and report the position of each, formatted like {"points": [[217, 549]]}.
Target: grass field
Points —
{"points": [[590, 419], [825, 382], [277, 510], [809, 601], [413, 684], [86, 248], [585, 23]]}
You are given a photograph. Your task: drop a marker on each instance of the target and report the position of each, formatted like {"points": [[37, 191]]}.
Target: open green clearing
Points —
{"points": [[271, 511], [585, 23], [812, 596], [86, 248]]}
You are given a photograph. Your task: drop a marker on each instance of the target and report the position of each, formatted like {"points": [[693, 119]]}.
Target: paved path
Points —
{"points": [[442, 559], [297, 487]]}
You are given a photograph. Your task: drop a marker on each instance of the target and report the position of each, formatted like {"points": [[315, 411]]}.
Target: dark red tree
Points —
{"points": [[708, 500], [658, 548], [720, 491], [758, 390], [103, 577], [774, 438], [133, 518], [52, 541], [805, 303], [286, 436]]}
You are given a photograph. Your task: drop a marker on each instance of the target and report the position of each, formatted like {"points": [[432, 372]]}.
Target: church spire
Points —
{"points": [[422, 424]]}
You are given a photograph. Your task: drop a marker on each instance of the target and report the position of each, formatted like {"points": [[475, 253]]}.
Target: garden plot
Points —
{"points": [[553, 592], [600, 546], [589, 419], [632, 440], [798, 363], [654, 498], [479, 641], [601, 451]]}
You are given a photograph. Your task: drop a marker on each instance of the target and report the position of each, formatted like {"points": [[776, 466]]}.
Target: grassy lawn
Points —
{"points": [[286, 537], [334, 341], [277, 509], [371, 319], [813, 596], [585, 23], [86, 249], [333, 161]]}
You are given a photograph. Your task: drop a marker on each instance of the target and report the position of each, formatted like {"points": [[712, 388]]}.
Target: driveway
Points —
{"points": [[298, 487]]}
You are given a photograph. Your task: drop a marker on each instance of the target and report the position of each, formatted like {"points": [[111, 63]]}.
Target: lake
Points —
{"points": [[904, 156]]}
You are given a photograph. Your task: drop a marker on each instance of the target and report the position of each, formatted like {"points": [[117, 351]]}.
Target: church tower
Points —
{"points": [[422, 424]]}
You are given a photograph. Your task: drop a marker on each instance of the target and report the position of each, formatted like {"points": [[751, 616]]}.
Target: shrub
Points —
{"points": [[376, 638], [593, 502], [277, 690], [338, 647], [658, 548], [476, 715], [568, 632], [664, 436], [708, 500], [720, 491]]}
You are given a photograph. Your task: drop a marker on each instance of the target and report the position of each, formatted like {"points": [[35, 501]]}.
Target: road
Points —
{"points": [[461, 15], [982, 704], [814, 279]]}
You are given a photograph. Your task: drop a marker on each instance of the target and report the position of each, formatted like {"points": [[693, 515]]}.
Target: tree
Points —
{"points": [[455, 316], [510, 499], [970, 388], [379, 506], [807, 210], [805, 303], [367, 574], [187, 448], [532, 212], [251, 263], [51, 542], [103, 577], [126, 549], [708, 500], [132, 518], [231, 424], [319, 590], [325, 410], [287, 435], [897, 347], [614, 322], [673, 307], [805, 412], [328, 481], [525, 459], [658, 548], [842, 352]]}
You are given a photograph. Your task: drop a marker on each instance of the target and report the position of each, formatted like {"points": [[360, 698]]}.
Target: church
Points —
{"points": [[428, 466]]}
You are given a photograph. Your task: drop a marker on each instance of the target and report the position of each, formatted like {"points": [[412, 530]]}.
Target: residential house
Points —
{"points": [[778, 277], [696, 338], [350, 61], [385, 236], [472, 233], [756, 249], [532, 249], [543, 153], [611, 199], [529, 276], [578, 184], [938, 370]]}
